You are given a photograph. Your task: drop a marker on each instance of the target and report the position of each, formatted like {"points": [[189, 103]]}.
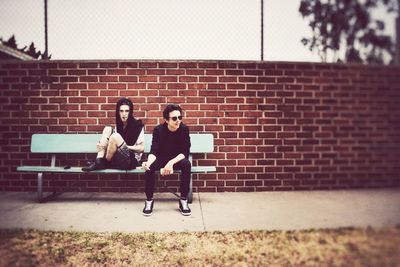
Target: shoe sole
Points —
{"points": [[147, 214], [185, 214]]}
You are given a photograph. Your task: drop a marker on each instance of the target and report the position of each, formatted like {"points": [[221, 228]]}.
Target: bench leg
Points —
{"points": [[40, 194], [190, 194], [40, 187]]}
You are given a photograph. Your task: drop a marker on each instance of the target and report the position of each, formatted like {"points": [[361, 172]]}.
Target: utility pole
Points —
{"points": [[397, 55], [262, 30], [46, 48]]}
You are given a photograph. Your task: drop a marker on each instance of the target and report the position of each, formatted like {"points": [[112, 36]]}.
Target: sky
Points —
{"points": [[162, 29]]}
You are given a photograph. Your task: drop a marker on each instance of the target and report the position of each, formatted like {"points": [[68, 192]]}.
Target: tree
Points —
{"points": [[11, 42], [345, 30], [31, 51]]}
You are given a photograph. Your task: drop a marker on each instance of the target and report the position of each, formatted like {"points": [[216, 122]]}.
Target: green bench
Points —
{"points": [[86, 143]]}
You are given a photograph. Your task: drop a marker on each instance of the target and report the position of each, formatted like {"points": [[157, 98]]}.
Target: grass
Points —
{"points": [[329, 247]]}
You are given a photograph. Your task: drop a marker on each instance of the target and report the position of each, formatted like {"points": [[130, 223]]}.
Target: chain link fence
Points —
{"points": [[160, 29]]}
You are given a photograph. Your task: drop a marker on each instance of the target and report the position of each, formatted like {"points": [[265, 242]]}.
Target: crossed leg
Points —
{"points": [[114, 143], [109, 143], [103, 143]]}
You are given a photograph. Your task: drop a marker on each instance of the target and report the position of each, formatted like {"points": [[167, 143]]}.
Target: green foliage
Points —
{"points": [[11, 42], [31, 51], [346, 30]]}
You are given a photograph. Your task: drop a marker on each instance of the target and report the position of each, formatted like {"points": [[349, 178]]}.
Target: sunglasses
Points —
{"points": [[175, 118]]}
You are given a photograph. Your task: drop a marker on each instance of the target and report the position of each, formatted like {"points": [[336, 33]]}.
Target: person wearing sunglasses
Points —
{"points": [[169, 151]]}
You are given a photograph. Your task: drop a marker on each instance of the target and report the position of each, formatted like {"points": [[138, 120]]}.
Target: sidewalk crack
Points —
{"points": [[201, 211]]}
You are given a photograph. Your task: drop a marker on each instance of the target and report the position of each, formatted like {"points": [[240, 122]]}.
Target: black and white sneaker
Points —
{"points": [[184, 207], [148, 207]]}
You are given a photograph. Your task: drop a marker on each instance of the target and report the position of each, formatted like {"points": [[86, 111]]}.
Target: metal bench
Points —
{"points": [[86, 143]]}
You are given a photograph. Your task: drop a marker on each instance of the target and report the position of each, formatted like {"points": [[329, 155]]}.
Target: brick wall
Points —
{"points": [[277, 125]]}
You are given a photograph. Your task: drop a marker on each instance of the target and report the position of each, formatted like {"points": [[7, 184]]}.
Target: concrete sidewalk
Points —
{"points": [[121, 212]]}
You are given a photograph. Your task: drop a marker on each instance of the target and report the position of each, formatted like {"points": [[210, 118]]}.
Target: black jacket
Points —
{"points": [[167, 144]]}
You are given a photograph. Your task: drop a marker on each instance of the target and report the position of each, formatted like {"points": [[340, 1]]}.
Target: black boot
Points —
{"points": [[99, 164]]}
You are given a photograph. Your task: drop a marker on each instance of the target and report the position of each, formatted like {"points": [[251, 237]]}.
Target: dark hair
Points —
{"points": [[170, 108], [123, 101]]}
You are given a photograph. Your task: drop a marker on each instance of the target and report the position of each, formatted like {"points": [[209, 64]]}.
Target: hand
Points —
{"points": [[167, 170], [100, 147], [146, 166]]}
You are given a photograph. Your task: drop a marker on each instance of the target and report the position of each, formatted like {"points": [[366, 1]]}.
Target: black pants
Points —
{"points": [[183, 165]]}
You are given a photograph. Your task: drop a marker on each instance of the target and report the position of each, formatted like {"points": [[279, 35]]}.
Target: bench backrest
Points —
{"points": [[86, 143]]}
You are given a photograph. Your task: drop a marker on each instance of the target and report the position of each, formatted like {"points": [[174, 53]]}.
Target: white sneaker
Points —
{"points": [[184, 207], [148, 207]]}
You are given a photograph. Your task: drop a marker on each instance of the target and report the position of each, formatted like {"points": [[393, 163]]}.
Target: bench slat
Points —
{"points": [[64, 143], [86, 143], [195, 169], [62, 170]]}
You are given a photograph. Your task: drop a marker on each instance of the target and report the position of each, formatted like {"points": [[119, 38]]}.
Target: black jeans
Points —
{"points": [[183, 165]]}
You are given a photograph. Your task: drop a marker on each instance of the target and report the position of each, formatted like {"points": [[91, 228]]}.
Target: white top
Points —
{"points": [[139, 141]]}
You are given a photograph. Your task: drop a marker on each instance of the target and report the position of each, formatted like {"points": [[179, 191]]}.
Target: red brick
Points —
{"points": [[136, 86], [108, 65], [89, 107], [164, 93], [116, 71], [87, 79], [97, 100], [148, 79], [189, 79], [136, 72], [187, 65], [77, 72], [168, 65], [208, 65], [77, 86], [156, 72], [208, 79], [108, 78], [128, 64], [158, 86], [88, 65], [172, 79], [87, 121], [147, 65], [176, 86]]}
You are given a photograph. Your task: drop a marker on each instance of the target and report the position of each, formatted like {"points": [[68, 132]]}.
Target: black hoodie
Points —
{"points": [[167, 144]]}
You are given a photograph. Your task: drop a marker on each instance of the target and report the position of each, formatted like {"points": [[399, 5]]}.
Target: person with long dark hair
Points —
{"points": [[120, 147]]}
